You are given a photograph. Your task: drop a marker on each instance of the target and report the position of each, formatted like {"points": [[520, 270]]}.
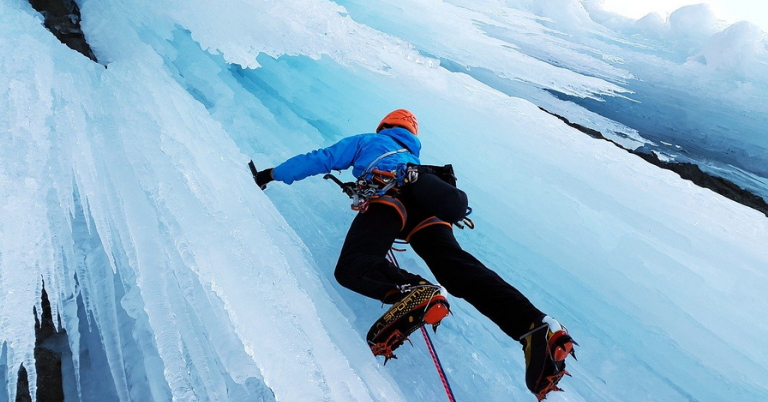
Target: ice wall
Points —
{"points": [[132, 204], [126, 191], [585, 230]]}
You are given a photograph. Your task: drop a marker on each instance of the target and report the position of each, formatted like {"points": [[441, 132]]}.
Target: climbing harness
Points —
{"points": [[370, 184], [375, 185]]}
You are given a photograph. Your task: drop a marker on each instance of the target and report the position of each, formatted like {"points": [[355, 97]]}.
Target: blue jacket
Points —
{"points": [[357, 152]]}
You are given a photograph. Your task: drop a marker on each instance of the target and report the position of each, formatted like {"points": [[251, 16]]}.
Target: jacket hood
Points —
{"points": [[405, 138]]}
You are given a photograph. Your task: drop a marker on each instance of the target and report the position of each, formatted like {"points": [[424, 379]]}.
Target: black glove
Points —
{"points": [[261, 178], [264, 177]]}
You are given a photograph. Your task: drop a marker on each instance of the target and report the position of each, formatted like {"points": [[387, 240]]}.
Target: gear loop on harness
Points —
{"points": [[371, 184]]}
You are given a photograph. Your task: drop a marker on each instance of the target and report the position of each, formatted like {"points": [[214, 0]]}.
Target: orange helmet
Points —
{"points": [[401, 118]]}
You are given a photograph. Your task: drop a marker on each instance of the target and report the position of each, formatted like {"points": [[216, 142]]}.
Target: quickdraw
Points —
{"points": [[466, 221]]}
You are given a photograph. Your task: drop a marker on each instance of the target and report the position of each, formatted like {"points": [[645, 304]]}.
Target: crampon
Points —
{"points": [[422, 305], [551, 384], [387, 347], [546, 349]]}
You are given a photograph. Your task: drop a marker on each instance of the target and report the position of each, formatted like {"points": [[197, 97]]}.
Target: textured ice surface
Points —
{"points": [[197, 290], [610, 256], [125, 190]]}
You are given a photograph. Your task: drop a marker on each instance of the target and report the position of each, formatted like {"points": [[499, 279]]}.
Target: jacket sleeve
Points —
{"points": [[338, 156]]}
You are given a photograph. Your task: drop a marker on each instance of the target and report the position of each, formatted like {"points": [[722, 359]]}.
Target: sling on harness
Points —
{"points": [[370, 184]]}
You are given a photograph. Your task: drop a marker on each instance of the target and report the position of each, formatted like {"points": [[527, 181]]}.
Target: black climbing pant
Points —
{"points": [[364, 268]]}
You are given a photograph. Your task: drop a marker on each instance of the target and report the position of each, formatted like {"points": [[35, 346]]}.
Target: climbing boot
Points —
{"points": [[546, 347]]}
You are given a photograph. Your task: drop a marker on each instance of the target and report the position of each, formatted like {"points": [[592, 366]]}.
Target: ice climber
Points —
{"points": [[397, 198]]}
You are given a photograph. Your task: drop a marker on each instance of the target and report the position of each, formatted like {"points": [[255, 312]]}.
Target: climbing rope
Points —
{"points": [[438, 365], [427, 338]]}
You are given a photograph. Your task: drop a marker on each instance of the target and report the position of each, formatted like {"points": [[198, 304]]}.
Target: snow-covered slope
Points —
{"points": [[124, 190]]}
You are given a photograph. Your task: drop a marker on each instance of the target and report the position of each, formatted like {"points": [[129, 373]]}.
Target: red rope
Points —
{"points": [[438, 366], [428, 340]]}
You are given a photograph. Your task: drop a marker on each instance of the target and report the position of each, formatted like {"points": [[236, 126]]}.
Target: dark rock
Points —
{"points": [[49, 381], [22, 386], [687, 171], [62, 18], [47, 361]]}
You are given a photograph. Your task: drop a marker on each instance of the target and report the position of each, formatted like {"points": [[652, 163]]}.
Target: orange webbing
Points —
{"points": [[393, 202], [426, 223], [383, 173]]}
